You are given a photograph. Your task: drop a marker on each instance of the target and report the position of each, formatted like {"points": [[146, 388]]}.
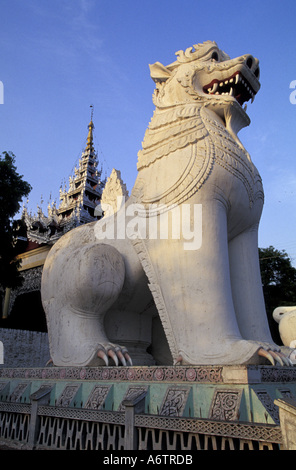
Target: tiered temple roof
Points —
{"points": [[77, 203]]}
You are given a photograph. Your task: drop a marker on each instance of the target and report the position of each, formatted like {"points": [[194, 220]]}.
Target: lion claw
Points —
{"points": [[275, 356], [127, 357], [285, 359], [113, 356], [263, 353], [119, 356], [102, 355]]}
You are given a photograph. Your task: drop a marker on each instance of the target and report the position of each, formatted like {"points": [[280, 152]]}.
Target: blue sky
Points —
{"points": [[57, 57]]}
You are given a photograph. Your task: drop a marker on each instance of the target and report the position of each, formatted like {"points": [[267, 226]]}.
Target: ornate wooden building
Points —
{"points": [[22, 307]]}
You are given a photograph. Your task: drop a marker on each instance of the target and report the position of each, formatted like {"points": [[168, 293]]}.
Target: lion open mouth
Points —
{"points": [[236, 86]]}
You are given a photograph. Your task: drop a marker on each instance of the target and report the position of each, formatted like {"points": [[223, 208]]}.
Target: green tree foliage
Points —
{"points": [[12, 189], [278, 282]]}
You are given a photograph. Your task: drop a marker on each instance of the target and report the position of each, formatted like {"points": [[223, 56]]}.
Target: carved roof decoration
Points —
{"points": [[114, 194]]}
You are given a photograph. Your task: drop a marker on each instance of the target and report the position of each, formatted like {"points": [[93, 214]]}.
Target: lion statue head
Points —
{"points": [[205, 74]]}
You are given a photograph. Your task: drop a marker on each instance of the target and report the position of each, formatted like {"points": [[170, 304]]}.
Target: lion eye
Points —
{"points": [[215, 56]]}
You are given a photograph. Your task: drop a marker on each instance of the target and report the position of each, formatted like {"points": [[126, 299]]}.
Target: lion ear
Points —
{"points": [[159, 73]]}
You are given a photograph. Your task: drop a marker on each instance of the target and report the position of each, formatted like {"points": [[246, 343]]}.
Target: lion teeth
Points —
{"points": [[213, 89], [215, 86], [236, 85]]}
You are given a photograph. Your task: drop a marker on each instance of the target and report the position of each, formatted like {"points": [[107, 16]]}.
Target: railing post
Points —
{"points": [[38, 398], [132, 406]]}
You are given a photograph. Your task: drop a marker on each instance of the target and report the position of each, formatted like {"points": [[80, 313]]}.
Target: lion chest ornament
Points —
{"points": [[172, 277]]}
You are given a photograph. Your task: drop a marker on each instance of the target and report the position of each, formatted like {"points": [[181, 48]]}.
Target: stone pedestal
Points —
{"points": [[231, 393], [242, 403]]}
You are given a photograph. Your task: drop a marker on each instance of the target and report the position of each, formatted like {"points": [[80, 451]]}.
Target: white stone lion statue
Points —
{"points": [[173, 276]]}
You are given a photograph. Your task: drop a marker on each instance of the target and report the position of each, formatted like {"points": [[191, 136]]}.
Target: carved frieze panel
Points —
{"points": [[97, 397], [159, 374], [67, 395], [174, 401], [225, 405]]}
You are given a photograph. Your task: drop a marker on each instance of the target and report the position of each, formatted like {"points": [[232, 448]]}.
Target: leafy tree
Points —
{"points": [[12, 189], [278, 282]]}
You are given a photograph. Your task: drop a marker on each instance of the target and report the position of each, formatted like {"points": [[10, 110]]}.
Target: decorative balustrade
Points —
{"points": [[40, 426], [145, 408]]}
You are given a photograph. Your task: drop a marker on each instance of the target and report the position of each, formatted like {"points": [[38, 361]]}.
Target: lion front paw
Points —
{"points": [[275, 357], [118, 354]]}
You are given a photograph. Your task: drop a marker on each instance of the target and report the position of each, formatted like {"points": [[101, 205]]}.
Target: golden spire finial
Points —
{"points": [[89, 145]]}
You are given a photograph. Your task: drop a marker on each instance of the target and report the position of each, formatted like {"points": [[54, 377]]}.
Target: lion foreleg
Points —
{"points": [[247, 286], [80, 285]]}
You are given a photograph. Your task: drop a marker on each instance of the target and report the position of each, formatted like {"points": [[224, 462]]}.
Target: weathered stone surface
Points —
{"points": [[24, 348]]}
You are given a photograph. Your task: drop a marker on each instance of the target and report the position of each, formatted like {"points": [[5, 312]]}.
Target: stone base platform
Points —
{"points": [[226, 393]]}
